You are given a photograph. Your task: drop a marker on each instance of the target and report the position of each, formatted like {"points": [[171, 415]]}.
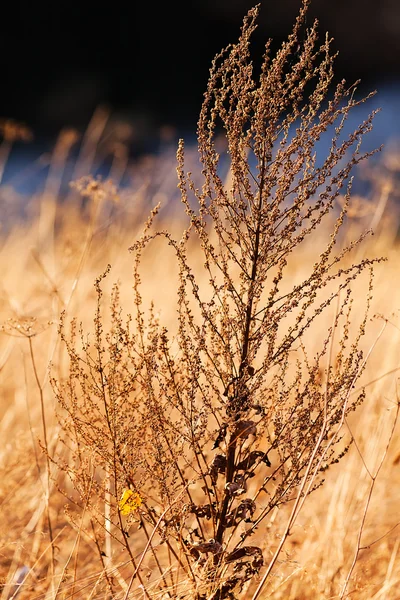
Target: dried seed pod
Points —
{"points": [[238, 396]]}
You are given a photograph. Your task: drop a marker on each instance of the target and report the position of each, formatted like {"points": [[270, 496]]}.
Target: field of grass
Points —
{"points": [[223, 370], [46, 273]]}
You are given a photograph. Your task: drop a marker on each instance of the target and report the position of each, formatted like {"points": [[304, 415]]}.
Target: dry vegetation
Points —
{"points": [[204, 404]]}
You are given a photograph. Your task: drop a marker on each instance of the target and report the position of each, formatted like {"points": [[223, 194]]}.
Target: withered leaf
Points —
{"points": [[244, 551], [205, 510], [243, 429], [249, 461], [244, 511], [218, 465], [235, 488], [204, 547], [266, 460], [220, 437]]}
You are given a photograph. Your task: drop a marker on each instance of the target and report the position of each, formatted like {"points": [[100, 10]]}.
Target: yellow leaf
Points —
{"points": [[129, 502]]}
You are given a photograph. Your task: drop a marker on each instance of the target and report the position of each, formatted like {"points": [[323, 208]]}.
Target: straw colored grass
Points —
{"points": [[164, 442]]}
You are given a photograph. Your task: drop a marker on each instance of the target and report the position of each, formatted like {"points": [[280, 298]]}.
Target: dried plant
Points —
{"points": [[182, 441]]}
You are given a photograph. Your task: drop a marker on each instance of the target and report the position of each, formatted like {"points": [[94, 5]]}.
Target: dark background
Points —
{"points": [[148, 63]]}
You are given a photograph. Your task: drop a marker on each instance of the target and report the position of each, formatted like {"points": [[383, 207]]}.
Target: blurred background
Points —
{"points": [[146, 66]]}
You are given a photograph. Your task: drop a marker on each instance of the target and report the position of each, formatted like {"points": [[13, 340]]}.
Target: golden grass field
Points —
{"points": [[48, 263]]}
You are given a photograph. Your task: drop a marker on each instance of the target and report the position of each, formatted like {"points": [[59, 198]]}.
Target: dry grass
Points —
{"points": [[318, 554], [69, 451]]}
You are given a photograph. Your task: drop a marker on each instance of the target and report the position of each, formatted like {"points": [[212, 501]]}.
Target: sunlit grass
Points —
{"points": [[54, 246]]}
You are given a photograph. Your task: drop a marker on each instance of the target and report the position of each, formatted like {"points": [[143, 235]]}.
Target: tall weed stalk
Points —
{"points": [[182, 440]]}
